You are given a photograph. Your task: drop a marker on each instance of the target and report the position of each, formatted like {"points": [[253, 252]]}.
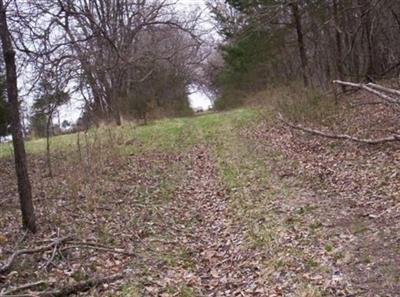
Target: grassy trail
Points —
{"points": [[211, 206]]}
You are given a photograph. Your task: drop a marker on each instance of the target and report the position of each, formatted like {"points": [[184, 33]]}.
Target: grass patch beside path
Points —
{"points": [[162, 135], [270, 212], [135, 170], [122, 188], [120, 193], [315, 211]]}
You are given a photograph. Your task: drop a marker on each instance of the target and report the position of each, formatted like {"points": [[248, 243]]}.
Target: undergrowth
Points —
{"points": [[126, 178], [298, 104]]}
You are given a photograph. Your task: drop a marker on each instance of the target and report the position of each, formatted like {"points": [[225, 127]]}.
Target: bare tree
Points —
{"points": [[104, 40], [24, 186], [50, 96]]}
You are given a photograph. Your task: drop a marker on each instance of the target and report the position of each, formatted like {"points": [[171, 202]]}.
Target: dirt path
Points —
{"points": [[220, 265]]}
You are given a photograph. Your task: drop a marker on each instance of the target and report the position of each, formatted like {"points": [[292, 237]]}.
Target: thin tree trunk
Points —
{"points": [[78, 144], [338, 40], [366, 21], [48, 156], [115, 106], [24, 186], [300, 41], [117, 115]]}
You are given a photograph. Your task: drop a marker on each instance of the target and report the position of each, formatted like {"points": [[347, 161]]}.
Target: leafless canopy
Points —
{"points": [[107, 49]]}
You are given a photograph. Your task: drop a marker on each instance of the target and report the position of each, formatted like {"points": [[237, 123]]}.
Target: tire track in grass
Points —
{"points": [[221, 265]]}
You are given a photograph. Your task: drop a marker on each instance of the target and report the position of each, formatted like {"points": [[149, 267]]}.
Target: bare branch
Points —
{"points": [[10, 261], [23, 287], [368, 88], [75, 288], [393, 138], [384, 89]]}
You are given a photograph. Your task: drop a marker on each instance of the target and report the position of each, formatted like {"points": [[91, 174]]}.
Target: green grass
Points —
{"points": [[245, 169], [279, 220], [167, 134]]}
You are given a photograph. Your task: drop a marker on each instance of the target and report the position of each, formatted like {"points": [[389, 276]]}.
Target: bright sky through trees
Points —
{"points": [[197, 99]]}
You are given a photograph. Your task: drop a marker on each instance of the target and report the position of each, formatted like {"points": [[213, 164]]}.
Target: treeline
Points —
{"points": [[269, 42], [124, 59]]}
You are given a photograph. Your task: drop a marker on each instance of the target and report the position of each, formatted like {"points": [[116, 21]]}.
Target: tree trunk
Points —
{"points": [[338, 40], [24, 186], [117, 115], [366, 22], [48, 155], [300, 41], [115, 104]]}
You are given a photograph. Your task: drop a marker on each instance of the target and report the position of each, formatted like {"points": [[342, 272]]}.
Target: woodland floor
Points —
{"points": [[223, 204]]}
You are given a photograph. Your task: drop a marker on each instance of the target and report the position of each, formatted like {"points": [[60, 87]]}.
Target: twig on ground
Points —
{"points": [[73, 289], [10, 261], [393, 138], [53, 254], [354, 105], [23, 287], [55, 245], [81, 286], [24, 236], [98, 247], [6, 201]]}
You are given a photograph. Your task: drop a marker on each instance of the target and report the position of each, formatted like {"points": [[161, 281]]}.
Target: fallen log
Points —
{"points": [[370, 141], [370, 89], [384, 89]]}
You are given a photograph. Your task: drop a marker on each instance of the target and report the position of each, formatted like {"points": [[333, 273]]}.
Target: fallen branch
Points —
{"points": [[22, 287], [341, 136], [73, 289], [10, 261], [369, 88], [6, 201], [55, 245], [384, 89], [81, 286], [99, 248], [358, 104]]}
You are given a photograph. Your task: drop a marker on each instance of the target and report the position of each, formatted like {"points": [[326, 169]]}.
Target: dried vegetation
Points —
{"points": [[224, 204]]}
